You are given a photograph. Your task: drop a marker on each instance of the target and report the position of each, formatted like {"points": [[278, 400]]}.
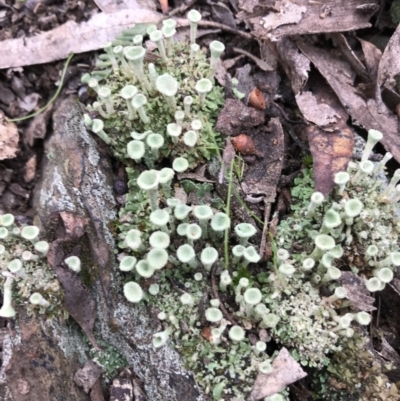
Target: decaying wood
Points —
{"points": [[37, 366], [75, 207]]}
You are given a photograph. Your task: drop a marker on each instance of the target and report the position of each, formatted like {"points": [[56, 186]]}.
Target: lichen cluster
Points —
{"points": [[26, 275], [225, 310], [151, 110], [202, 275]]}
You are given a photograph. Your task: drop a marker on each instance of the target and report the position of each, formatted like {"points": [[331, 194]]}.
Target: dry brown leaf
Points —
{"points": [[285, 371], [296, 65], [88, 375], [334, 141], [306, 17], [331, 153], [30, 168], [320, 114], [367, 113], [357, 294], [71, 38], [372, 57], [37, 127], [263, 176], [389, 65], [8, 138], [111, 6], [289, 13], [222, 13], [236, 118]]}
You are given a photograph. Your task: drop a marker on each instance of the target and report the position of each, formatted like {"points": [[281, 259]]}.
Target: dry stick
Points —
{"points": [[216, 296], [182, 8], [267, 213], [217, 25]]}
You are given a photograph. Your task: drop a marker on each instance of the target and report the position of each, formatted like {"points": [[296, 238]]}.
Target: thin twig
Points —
{"points": [[182, 8], [267, 212], [216, 296], [217, 25]]}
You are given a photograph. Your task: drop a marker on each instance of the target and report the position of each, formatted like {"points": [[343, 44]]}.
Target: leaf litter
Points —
{"points": [[326, 108]]}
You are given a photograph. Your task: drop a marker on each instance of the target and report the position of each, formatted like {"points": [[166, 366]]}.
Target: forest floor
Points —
{"points": [[327, 72]]}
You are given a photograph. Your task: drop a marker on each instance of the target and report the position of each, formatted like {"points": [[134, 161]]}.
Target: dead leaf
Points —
{"points": [[261, 178], [37, 127], [88, 375], [372, 57], [245, 76], [60, 42], [296, 65], [318, 113], [357, 294], [223, 14], [389, 65], [111, 6], [236, 118], [289, 13], [389, 353], [30, 169], [306, 17], [369, 113], [8, 138], [348, 54], [29, 102], [331, 153], [285, 371]]}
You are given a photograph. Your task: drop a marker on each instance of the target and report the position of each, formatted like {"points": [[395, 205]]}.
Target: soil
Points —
{"points": [[24, 90]]}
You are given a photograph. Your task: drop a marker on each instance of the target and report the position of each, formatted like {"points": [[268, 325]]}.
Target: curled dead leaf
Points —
{"points": [[257, 100], [245, 145], [8, 139], [206, 333], [285, 371], [331, 154]]}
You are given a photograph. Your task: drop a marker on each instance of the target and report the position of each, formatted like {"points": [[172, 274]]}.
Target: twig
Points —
{"points": [[182, 8], [267, 212], [217, 25]]}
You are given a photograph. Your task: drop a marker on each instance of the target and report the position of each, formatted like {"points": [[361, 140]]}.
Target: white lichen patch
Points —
{"points": [[57, 191], [10, 341]]}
